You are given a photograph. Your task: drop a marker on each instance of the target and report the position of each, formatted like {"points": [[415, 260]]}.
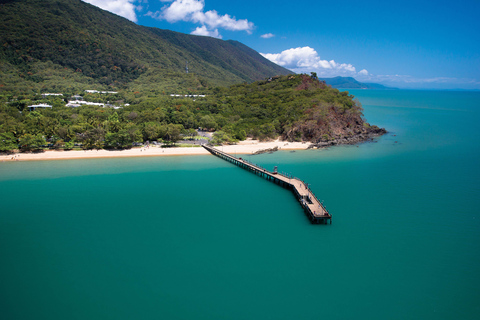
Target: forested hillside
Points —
{"points": [[71, 45], [295, 107]]}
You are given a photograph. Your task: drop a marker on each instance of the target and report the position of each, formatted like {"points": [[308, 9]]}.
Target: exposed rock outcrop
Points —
{"points": [[266, 150], [368, 135], [327, 125]]}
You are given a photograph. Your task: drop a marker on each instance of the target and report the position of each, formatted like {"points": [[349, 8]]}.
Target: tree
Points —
{"points": [[122, 139], [208, 122], [173, 133], [132, 116], [191, 133], [113, 117], [93, 138], [65, 133], [7, 142], [113, 123], [134, 133], [30, 142], [69, 145], [116, 140], [240, 134], [151, 131], [221, 137], [267, 131]]}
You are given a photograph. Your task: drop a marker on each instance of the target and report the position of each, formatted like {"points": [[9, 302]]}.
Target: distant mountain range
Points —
{"points": [[65, 43], [351, 83]]}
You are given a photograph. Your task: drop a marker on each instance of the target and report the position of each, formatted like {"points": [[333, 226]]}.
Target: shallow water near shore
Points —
{"points": [[194, 237]]}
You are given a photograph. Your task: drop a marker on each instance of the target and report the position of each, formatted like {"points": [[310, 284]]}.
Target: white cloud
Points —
{"points": [[124, 8], [203, 31], [306, 59], [214, 20], [193, 11], [182, 10], [363, 72], [154, 15], [267, 35]]}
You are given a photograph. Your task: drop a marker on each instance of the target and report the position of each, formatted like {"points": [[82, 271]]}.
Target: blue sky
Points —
{"points": [[406, 44]]}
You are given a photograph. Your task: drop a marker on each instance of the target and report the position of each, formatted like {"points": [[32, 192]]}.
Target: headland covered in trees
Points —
{"points": [[292, 108]]}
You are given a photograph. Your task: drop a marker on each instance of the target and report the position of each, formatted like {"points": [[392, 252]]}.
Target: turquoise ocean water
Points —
{"points": [[198, 238]]}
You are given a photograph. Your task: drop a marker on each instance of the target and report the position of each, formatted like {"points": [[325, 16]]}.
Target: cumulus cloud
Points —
{"points": [[267, 35], [213, 20], [193, 11], [182, 10], [124, 8], [306, 59], [363, 72], [203, 31]]}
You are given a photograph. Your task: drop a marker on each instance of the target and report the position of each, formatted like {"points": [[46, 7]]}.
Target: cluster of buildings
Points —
{"points": [[76, 101]]}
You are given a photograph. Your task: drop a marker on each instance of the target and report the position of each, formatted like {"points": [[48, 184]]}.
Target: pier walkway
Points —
{"points": [[312, 207]]}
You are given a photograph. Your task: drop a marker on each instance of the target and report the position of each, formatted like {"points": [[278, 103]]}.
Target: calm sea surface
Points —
{"points": [[198, 238]]}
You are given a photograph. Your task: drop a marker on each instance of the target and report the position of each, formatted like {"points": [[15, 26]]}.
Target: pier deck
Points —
{"points": [[313, 208]]}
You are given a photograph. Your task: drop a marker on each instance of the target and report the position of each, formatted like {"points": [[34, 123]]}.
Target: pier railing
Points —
{"points": [[287, 181]]}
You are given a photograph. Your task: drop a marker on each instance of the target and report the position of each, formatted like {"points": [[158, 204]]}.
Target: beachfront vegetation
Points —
{"points": [[296, 107], [8, 142]]}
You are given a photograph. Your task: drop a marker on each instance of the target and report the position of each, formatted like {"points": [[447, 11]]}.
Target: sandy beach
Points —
{"points": [[244, 147]]}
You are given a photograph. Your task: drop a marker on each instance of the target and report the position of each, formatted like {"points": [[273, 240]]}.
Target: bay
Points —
{"points": [[198, 238]]}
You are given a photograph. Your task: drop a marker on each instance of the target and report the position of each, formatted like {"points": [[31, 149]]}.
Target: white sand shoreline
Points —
{"points": [[243, 147]]}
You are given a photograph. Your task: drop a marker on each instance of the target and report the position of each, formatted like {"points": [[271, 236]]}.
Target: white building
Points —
{"points": [[41, 105], [189, 95], [51, 94], [96, 91], [78, 103], [73, 104]]}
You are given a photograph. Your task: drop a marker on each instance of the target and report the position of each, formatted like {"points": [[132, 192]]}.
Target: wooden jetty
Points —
{"points": [[312, 207]]}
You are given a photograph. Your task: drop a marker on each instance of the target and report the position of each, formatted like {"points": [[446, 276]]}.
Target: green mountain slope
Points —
{"points": [[232, 56], [48, 44]]}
